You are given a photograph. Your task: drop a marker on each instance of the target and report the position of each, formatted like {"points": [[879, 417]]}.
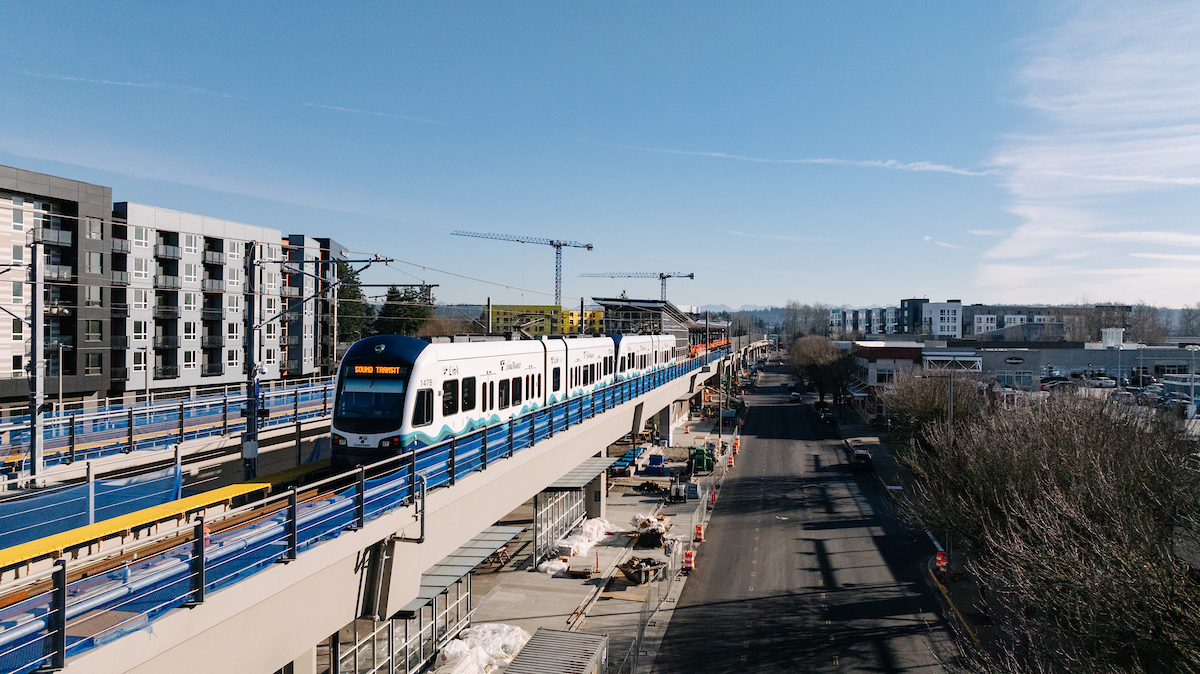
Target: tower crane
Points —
{"points": [[662, 276], [558, 246]]}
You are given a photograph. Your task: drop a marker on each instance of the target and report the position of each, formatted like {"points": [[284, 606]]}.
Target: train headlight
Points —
{"points": [[339, 441], [390, 442]]}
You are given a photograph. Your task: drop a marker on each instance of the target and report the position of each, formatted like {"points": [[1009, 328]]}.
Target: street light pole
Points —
{"points": [[1192, 380]]}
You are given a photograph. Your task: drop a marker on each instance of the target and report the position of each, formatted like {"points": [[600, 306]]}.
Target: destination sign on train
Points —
{"points": [[377, 369]]}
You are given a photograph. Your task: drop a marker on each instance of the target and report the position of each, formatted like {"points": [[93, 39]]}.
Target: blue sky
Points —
{"points": [[851, 153]]}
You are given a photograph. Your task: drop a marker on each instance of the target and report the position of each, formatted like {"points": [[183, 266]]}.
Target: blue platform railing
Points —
{"points": [[64, 617]]}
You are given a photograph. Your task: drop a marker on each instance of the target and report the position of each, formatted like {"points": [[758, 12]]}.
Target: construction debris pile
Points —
{"points": [[589, 534], [641, 570], [650, 529]]}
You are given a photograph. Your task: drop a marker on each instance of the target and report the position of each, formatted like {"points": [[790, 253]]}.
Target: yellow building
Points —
{"points": [[537, 319], [593, 321]]}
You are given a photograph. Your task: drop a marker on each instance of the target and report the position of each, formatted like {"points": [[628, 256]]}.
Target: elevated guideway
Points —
{"points": [[352, 546]]}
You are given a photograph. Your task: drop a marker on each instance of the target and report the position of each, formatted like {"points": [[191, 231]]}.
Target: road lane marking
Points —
{"points": [[751, 588]]}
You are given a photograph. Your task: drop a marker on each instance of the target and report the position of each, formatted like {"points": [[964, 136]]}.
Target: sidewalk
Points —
{"points": [[607, 603]]}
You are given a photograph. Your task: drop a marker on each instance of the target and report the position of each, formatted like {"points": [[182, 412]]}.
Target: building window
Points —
{"points": [[17, 368], [191, 243], [189, 360], [271, 280], [234, 331], [139, 360], [141, 237], [271, 357], [95, 229], [189, 273], [231, 358], [92, 297], [270, 330], [92, 364], [141, 268], [189, 329], [189, 301], [235, 303], [140, 330], [140, 298], [18, 330], [18, 253], [271, 304], [18, 216], [92, 332], [233, 276], [235, 252], [18, 292]]}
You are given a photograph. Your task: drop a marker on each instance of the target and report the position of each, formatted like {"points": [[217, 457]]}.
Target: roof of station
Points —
{"points": [[581, 475], [615, 303], [459, 563]]}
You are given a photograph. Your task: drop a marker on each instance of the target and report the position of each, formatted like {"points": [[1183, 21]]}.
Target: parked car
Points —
{"points": [[827, 417], [859, 456], [1102, 382], [795, 396], [791, 386], [1124, 397]]}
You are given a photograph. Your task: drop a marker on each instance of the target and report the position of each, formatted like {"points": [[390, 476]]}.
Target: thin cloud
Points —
{"points": [[373, 113], [870, 163], [140, 85], [1167, 256], [989, 232], [943, 244], [1116, 119]]}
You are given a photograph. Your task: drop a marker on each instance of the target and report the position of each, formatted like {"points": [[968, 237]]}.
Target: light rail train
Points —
{"points": [[395, 393]]}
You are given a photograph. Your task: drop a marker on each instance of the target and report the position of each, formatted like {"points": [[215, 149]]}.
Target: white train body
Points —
{"points": [[397, 392]]}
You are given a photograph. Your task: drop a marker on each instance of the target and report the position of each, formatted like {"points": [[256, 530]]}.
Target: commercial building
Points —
{"points": [[593, 320]]}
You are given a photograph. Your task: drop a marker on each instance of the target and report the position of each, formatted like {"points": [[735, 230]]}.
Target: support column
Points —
{"points": [[306, 663], [595, 496], [663, 420]]}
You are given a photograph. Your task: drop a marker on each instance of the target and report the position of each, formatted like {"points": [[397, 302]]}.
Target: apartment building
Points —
{"points": [[309, 325], [593, 320], [71, 220], [943, 320], [535, 319], [181, 318]]}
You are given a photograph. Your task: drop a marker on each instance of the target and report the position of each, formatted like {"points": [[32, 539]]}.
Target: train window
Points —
{"points": [[539, 378], [516, 390], [468, 394], [556, 379], [423, 408], [592, 373], [623, 359], [503, 394], [449, 397], [492, 396]]}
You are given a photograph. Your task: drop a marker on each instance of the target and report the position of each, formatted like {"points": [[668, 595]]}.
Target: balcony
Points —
{"points": [[214, 257], [290, 291], [291, 366], [212, 369], [58, 272], [165, 281], [328, 341], [120, 278], [212, 341], [168, 253], [166, 311], [119, 341], [119, 373], [166, 341], [291, 340], [54, 237], [212, 314], [214, 284], [66, 341], [166, 372], [120, 246]]}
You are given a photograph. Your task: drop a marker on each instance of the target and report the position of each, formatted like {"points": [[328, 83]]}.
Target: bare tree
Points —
{"points": [[1081, 518], [1189, 321], [791, 321]]}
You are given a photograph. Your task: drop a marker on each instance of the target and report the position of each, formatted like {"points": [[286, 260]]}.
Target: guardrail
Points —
{"points": [[58, 617], [84, 436]]}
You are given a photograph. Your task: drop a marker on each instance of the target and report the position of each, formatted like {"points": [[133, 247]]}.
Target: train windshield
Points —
{"points": [[369, 405]]}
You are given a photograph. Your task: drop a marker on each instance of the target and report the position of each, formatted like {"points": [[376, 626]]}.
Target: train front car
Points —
{"points": [[369, 406]]}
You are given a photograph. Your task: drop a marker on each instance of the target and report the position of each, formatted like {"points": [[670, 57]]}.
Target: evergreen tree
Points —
{"points": [[354, 314], [404, 312]]}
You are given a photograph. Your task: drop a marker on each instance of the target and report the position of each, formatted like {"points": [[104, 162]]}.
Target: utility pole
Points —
{"points": [[489, 310], [250, 437], [950, 404], [37, 364], [581, 315]]}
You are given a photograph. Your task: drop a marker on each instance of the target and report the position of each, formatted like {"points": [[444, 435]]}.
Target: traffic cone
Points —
{"points": [[729, 461], [687, 429], [713, 500], [699, 537], [597, 569], [941, 561], [689, 561]]}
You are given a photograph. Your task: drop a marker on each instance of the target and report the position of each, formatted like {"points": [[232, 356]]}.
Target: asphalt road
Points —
{"points": [[804, 567]]}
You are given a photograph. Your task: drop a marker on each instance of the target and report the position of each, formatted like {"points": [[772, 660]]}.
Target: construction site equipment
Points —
{"points": [[661, 276], [557, 244]]}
